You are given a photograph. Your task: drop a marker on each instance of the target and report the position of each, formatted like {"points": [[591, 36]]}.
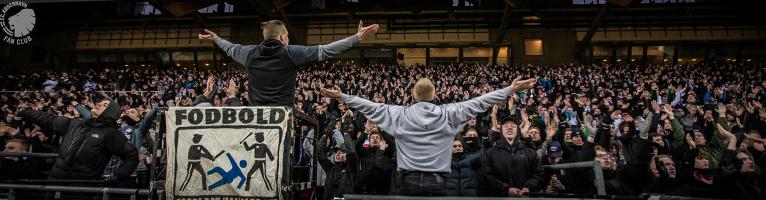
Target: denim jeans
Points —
{"points": [[412, 183]]}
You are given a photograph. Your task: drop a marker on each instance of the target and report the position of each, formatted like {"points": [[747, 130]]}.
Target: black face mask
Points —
{"points": [[471, 143], [129, 120], [458, 155]]}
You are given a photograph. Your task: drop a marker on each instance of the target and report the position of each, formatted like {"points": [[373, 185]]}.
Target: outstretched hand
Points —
{"points": [[725, 134], [209, 85], [690, 142], [364, 32], [728, 136], [669, 111], [521, 85], [210, 36], [231, 90], [331, 93]]}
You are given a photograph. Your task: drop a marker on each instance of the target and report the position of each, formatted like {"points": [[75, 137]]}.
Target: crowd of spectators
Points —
{"points": [[687, 130]]}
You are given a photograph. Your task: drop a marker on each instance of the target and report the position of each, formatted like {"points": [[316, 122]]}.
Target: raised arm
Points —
{"points": [[84, 112], [644, 125], [231, 94], [461, 111], [351, 156], [47, 121], [143, 127], [381, 114], [678, 130], [321, 155], [716, 142], [248, 147], [728, 136], [302, 55], [237, 52], [210, 90], [677, 97], [493, 117]]}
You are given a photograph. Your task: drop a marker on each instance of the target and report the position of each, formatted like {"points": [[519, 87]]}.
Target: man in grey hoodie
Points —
{"points": [[272, 66], [424, 131]]}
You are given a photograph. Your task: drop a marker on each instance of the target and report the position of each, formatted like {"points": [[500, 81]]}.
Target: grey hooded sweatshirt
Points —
{"points": [[424, 131]]}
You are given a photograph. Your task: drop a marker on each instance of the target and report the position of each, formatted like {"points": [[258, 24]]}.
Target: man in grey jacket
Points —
{"points": [[424, 131], [272, 66]]}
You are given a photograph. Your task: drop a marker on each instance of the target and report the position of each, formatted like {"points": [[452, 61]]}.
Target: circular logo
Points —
{"points": [[17, 21]]}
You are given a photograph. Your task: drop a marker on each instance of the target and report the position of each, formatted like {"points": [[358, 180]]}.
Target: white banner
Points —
{"points": [[227, 152]]}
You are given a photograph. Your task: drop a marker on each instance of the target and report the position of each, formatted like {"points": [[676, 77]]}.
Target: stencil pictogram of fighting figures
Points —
{"points": [[197, 152]]}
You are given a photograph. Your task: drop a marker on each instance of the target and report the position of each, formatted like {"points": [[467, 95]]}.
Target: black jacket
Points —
{"points": [[618, 182], [461, 181], [509, 165], [736, 184], [340, 176], [700, 190], [580, 180], [88, 144], [666, 186], [691, 186], [376, 168]]}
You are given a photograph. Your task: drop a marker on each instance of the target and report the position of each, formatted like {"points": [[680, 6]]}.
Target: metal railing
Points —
{"points": [[25, 154], [105, 191], [387, 197], [96, 91], [597, 172]]}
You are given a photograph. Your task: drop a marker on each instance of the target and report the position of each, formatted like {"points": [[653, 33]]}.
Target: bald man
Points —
{"points": [[424, 131]]}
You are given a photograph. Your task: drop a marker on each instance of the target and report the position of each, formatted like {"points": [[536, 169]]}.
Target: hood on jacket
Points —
{"points": [[108, 118], [430, 114], [270, 47]]}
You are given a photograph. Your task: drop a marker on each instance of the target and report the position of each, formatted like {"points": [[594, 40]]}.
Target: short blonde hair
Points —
{"points": [[653, 161], [24, 144], [272, 29], [424, 90], [600, 148]]}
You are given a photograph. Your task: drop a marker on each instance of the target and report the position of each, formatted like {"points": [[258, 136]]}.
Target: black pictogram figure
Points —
{"points": [[196, 153], [260, 150]]}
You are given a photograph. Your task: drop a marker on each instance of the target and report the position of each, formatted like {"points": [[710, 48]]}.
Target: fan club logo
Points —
{"points": [[17, 22]]}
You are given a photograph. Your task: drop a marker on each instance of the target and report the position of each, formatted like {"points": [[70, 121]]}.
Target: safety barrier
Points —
{"points": [[35, 155], [597, 171], [105, 191]]}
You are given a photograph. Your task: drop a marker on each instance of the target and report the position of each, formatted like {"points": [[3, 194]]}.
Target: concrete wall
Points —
{"points": [[558, 45]]}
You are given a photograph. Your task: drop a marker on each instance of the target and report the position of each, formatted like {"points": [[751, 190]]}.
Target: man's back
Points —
{"points": [[272, 67], [424, 131], [272, 75]]}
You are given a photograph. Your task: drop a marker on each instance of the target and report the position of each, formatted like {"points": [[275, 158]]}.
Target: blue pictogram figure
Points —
{"points": [[229, 176]]}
